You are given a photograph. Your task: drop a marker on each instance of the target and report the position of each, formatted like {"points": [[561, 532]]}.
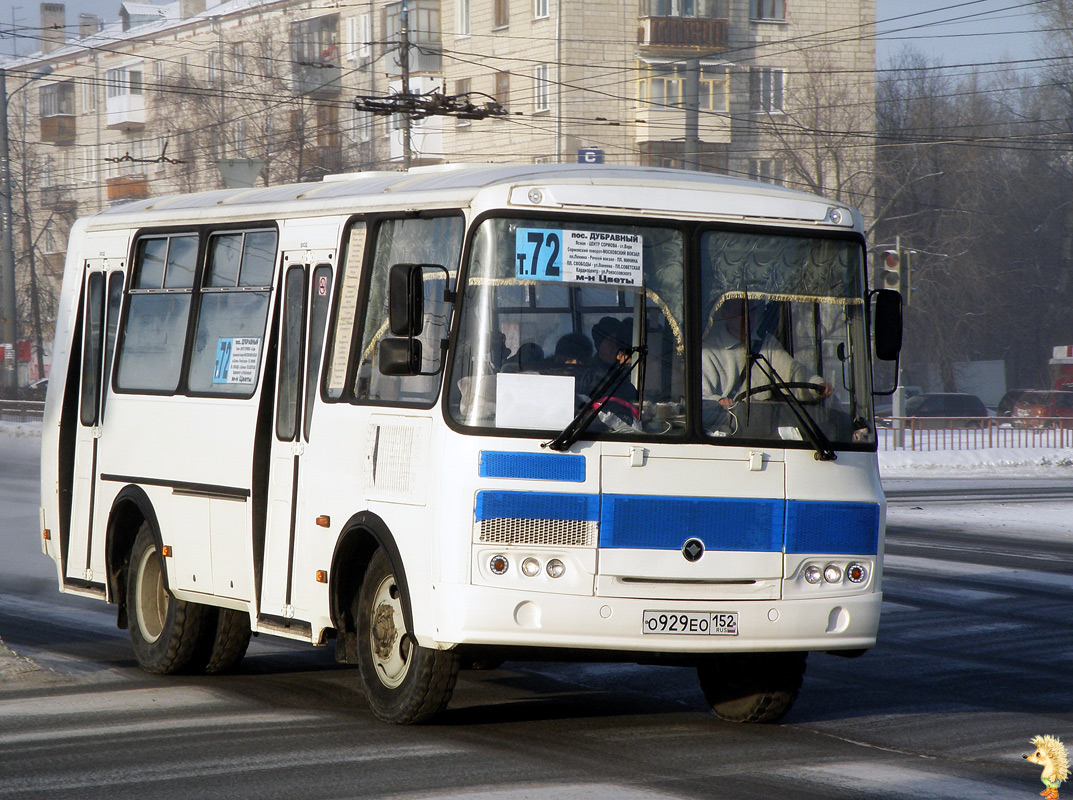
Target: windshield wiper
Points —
{"points": [[813, 432], [604, 389]]}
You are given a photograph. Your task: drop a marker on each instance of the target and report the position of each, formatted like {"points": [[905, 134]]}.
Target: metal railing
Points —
{"points": [[21, 410], [972, 433]]}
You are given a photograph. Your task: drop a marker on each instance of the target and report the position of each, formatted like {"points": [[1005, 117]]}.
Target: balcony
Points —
{"points": [[682, 33], [126, 112], [127, 187], [59, 198], [58, 130]]}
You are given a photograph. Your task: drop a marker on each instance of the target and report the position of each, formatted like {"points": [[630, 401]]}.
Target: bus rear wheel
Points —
{"points": [[163, 629], [404, 682], [752, 687], [225, 635]]}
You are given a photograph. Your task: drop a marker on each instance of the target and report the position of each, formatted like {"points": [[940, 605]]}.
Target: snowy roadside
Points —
{"points": [[987, 462]]}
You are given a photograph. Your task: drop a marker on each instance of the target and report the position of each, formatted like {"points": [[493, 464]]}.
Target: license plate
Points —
{"points": [[691, 623]]}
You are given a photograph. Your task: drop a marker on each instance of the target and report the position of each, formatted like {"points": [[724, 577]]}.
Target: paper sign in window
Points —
{"points": [[538, 402], [600, 258], [236, 360]]}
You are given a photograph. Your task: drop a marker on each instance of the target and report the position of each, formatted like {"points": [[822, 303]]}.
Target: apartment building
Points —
{"points": [[194, 95]]}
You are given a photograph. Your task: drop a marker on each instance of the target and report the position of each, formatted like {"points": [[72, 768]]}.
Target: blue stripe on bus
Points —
{"points": [[537, 505], [532, 466], [665, 523], [648, 522], [835, 528]]}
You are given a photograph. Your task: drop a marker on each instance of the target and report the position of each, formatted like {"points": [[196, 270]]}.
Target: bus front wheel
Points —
{"points": [[752, 687], [163, 629], [404, 682]]}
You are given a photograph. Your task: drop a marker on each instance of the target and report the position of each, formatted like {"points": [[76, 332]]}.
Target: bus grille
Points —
{"points": [[552, 532]]}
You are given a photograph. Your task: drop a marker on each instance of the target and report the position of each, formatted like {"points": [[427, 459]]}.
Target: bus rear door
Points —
{"points": [[102, 297]]}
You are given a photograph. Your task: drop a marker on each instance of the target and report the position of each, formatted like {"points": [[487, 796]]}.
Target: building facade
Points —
{"points": [[194, 95]]}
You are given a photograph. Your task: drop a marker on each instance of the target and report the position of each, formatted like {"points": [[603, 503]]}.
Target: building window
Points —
{"points": [[89, 163], [238, 63], [123, 81], [158, 73], [541, 88], [365, 37], [315, 53], [711, 156], [501, 13], [462, 7], [89, 95], [239, 134], [765, 89], [768, 10], [664, 85], [502, 89], [540, 9], [184, 67], [57, 99], [463, 86], [707, 9], [766, 170], [211, 67]]}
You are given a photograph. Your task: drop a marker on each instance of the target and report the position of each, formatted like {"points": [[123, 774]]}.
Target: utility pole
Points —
{"points": [[404, 63], [691, 101], [7, 251]]}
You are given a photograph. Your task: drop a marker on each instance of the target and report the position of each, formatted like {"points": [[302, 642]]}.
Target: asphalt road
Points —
{"points": [[974, 659]]}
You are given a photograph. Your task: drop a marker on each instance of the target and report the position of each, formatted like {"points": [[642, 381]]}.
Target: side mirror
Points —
{"points": [[406, 300], [400, 357], [888, 324]]}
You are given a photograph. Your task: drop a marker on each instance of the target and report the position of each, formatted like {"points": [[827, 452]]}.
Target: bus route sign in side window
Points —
{"points": [[598, 257]]}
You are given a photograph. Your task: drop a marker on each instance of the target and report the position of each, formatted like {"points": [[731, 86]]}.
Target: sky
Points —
{"points": [[952, 31]]}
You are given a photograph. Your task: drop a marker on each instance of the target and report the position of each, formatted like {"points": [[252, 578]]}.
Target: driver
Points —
{"points": [[723, 358]]}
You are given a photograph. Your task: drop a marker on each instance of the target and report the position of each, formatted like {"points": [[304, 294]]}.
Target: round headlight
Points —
{"points": [[530, 567], [498, 564], [556, 568], [813, 573], [832, 574], [856, 573]]}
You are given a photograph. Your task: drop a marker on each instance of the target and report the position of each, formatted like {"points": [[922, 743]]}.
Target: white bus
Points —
{"points": [[464, 414]]}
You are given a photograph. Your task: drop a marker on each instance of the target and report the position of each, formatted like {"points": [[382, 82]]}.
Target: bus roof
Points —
{"points": [[566, 186]]}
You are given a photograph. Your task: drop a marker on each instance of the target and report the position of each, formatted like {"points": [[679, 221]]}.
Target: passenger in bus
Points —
{"points": [[572, 351], [610, 337], [529, 358], [724, 355]]}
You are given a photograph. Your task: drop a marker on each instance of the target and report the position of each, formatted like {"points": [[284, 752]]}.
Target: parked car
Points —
{"points": [[1044, 409], [959, 410], [1005, 405]]}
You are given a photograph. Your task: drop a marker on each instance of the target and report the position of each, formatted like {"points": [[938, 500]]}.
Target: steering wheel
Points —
{"points": [[818, 388]]}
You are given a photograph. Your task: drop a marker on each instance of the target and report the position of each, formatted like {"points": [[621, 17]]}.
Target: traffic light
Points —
{"points": [[890, 275], [893, 273]]}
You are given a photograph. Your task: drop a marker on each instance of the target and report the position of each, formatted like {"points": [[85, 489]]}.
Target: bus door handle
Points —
{"points": [[96, 432], [298, 448]]}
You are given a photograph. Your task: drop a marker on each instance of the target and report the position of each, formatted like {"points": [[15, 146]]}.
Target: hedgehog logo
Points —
{"points": [[1051, 755]]}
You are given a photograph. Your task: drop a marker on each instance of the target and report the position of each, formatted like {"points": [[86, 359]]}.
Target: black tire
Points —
{"points": [[404, 682], [752, 687], [225, 635], [163, 629]]}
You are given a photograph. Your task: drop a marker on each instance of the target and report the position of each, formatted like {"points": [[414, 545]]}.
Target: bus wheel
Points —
{"points": [[163, 629], [225, 635], [404, 682], [752, 687]]}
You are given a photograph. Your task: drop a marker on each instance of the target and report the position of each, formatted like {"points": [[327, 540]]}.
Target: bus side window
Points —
{"points": [[321, 301], [150, 352], [91, 350], [232, 312], [426, 240]]}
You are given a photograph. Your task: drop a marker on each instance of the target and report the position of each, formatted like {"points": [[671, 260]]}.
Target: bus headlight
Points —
{"points": [[856, 573], [832, 573], [556, 568], [813, 574], [530, 567]]}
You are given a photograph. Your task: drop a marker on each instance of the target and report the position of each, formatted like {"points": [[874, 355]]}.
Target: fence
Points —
{"points": [[972, 433], [21, 410]]}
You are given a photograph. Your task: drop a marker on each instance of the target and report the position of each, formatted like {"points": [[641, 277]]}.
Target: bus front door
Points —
{"points": [[101, 300], [306, 297]]}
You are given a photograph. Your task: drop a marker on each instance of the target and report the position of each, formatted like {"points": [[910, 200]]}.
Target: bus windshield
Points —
{"points": [[773, 350]]}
